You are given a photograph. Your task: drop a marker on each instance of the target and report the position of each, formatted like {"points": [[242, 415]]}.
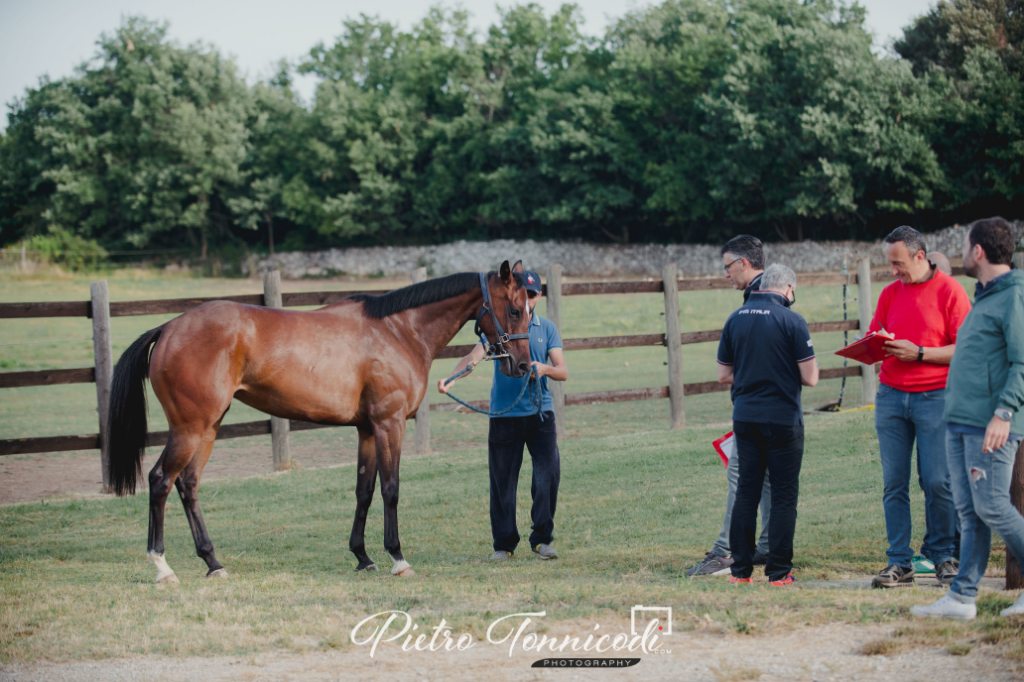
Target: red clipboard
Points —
{"points": [[725, 447], [869, 350]]}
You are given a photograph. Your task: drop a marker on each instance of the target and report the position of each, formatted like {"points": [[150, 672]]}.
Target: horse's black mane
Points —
{"points": [[421, 294]]}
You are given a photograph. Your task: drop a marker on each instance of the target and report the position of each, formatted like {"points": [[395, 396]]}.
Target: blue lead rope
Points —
{"points": [[536, 397]]}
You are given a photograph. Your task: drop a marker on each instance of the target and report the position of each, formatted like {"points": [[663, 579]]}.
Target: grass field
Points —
{"points": [[638, 504], [634, 510]]}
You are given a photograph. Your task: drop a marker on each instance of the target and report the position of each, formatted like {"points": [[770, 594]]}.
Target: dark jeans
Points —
{"points": [[505, 443], [779, 449]]}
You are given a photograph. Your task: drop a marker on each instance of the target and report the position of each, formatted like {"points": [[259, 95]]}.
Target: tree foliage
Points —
{"points": [[689, 120]]}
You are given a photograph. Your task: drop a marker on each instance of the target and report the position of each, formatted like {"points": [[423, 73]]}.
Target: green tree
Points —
{"points": [[140, 146]]}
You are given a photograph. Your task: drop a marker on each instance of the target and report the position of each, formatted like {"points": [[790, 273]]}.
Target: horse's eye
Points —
{"points": [[514, 312]]}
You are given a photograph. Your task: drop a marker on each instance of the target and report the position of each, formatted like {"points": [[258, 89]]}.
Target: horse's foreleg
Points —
{"points": [[366, 482], [188, 489], [389, 452], [173, 459]]}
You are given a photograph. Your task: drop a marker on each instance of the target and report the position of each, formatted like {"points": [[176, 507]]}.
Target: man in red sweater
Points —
{"points": [[922, 311]]}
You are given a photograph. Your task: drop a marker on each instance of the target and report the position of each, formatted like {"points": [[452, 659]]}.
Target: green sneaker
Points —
{"points": [[923, 566]]}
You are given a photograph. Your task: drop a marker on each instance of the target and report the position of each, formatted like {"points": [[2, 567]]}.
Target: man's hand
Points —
{"points": [[996, 435], [902, 349], [540, 368], [442, 387]]}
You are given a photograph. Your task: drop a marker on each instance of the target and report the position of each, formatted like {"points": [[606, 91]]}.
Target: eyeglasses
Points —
{"points": [[532, 294], [729, 265]]}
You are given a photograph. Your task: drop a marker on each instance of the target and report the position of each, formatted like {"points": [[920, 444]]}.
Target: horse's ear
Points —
{"points": [[518, 267], [506, 273]]}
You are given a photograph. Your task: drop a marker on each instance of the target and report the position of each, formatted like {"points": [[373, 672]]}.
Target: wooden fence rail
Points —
{"points": [[87, 375], [272, 295], [319, 298], [25, 446]]}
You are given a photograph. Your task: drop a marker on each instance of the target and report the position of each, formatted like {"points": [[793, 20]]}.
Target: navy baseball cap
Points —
{"points": [[532, 281]]}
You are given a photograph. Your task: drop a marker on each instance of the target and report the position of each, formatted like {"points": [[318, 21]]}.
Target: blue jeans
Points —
{"points": [[732, 475], [981, 487], [900, 418]]}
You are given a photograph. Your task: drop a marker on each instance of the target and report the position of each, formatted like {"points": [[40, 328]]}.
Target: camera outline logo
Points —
{"points": [[665, 629]]}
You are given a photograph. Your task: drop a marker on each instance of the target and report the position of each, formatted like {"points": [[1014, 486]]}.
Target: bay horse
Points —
{"points": [[361, 362]]}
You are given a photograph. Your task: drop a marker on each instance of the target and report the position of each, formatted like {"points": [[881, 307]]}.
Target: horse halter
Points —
{"points": [[501, 338]]}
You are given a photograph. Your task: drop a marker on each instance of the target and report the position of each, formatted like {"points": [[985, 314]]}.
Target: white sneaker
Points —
{"points": [[947, 607], [1016, 610]]}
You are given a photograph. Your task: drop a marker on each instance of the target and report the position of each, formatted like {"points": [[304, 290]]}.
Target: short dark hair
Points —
{"points": [[913, 239], [747, 247], [995, 237]]}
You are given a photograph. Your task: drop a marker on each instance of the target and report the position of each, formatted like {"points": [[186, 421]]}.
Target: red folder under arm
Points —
{"points": [[869, 350]]}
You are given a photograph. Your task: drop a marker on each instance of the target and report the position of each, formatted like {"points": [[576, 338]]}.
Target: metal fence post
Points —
{"points": [[423, 411], [673, 339], [279, 428], [103, 357], [554, 311], [868, 378]]}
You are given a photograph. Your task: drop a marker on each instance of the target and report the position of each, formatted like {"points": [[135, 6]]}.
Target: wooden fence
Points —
{"points": [[100, 310]]}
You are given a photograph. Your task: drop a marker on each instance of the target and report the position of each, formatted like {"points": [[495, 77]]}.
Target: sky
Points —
{"points": [[52, 37]]}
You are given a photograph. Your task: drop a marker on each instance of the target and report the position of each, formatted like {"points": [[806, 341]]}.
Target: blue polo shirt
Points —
{"points": [[543, 337], [763, 341]]}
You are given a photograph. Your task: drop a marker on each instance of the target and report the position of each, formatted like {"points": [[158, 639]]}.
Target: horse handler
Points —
{"points": [[522, 425]]}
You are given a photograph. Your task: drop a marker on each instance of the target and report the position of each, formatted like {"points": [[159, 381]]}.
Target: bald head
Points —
{"points": [[940, 261]]}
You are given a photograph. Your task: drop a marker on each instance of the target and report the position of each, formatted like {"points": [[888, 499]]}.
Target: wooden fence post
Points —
{"points": [[554, 311], [423, 411], [103, 357], [868, 378], [1014, 579], [673, 339], [279, 428]]}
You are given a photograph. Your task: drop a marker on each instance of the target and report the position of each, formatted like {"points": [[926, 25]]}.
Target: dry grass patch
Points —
{"points": [[727, 672]]}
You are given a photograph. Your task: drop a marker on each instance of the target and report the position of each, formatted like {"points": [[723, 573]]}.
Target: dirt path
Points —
{"points": [[34, 477], [825, 654]]}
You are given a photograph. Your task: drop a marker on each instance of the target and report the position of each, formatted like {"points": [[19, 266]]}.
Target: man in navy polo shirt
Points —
{"points": [[766, 354], [523, 425]]}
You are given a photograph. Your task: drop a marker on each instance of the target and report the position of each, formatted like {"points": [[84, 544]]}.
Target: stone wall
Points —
{"points": [[580, 259]]}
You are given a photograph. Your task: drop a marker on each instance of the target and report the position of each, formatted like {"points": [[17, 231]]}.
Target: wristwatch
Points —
{"points": [[1004, 414], [920, 353]]}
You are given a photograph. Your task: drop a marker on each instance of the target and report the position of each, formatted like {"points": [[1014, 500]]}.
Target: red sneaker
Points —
{"points": [[785, 582], [733, 580]]}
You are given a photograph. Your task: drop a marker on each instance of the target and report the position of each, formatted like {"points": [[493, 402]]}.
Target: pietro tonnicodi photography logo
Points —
{"points": [[518, 632], [641, 616]]}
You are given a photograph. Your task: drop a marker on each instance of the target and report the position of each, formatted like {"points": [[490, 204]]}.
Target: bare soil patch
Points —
{"points": [[823, 654], [27, 478]]}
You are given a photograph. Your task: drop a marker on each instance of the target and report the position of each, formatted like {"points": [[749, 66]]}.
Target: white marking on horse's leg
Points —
{"points": [[362, 469], [219, 573], [164, 574], [403, 569]]}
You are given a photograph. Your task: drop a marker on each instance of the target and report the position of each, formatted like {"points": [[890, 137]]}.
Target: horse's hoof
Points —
{"points": [[218, 573], [367, 567], [403, 569], [167, 579]]}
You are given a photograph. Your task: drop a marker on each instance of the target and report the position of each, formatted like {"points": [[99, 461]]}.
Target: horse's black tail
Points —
{"points": [[126, 422]]}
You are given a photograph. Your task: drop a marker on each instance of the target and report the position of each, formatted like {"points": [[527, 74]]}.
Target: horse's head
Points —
{"points": [[510, 305]]}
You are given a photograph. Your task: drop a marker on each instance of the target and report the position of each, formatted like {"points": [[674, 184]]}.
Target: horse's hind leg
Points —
{"points": [[365, 484], [188, 489], [389, 437], [176, 456]]}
